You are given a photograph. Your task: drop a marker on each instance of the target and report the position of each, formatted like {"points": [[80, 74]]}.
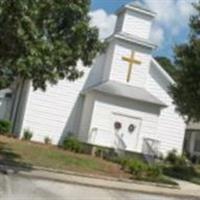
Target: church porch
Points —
{"points": [[118, 122]]}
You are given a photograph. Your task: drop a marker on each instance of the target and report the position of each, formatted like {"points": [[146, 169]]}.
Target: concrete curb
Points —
{"points": [[107, 187], [123, 180], [91, 181], [8, 169]]}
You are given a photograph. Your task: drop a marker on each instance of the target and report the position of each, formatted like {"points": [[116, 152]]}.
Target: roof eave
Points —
{"points": [[136, 9], [159, 67], [140, 100], [85, 92], [133, 40]]}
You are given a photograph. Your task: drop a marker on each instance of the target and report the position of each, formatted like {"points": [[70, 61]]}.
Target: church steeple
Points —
{"points": [[134, 20], [130, 49]]}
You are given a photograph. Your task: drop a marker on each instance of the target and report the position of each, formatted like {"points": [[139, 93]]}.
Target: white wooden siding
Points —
{"points": [[56, 111], [119, 67], [102, 117], [137, 25], [171, 128]]}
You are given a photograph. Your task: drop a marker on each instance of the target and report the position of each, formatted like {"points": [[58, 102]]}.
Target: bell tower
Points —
{"points": [[130, 49], [134, 20]]}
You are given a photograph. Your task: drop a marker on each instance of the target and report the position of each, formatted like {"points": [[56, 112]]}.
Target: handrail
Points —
{"points": [[121, 141], [149, 147]]}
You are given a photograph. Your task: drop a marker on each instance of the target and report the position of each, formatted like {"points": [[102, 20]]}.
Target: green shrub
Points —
{"points": [[72, 144], [154, 171], [125, 163], [27, 135], [5, 127], [180, 171], [179, 167], [137, 168], [183, 161], [174, 159], [171, 156], [47, 140], [111, 155], [101, 152]]}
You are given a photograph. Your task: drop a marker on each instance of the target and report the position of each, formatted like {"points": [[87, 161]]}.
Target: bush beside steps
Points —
{"points": [[178, 166]]}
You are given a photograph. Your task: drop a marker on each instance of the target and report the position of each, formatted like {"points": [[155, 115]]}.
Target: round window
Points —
{"points": [[131, 128]]}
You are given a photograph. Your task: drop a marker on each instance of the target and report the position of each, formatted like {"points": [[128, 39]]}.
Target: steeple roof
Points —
{"points": [[134, 6]]}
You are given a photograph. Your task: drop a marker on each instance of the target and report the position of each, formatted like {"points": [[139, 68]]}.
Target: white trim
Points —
{"points": [[125, 115], [132, 39], [163, 72], [136, 9]]}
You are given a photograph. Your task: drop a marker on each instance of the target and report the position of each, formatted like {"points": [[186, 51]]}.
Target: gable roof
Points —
{"points": [[162, 71], [123, 90]]}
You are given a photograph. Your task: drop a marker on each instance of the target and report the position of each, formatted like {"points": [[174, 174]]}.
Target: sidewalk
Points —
{"points": [[186, 190]]}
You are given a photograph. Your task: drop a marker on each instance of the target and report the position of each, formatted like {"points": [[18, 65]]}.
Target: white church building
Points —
{"points": [[122, 101]]}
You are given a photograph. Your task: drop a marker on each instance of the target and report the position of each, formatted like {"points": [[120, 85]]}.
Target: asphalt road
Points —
{"points": [[19, 188]]}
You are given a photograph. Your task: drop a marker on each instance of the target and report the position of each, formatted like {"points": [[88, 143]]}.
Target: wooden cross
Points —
{"points": [[131, 60]]}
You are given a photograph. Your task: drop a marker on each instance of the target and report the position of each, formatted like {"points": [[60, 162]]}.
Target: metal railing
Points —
{"points": [[102, 137], [151, 149]]}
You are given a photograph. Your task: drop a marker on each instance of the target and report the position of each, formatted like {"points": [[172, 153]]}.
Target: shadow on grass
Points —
{"points": [[11, 161]]}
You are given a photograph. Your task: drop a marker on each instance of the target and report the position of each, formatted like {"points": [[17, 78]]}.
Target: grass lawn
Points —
{"points": [[25, 153]]}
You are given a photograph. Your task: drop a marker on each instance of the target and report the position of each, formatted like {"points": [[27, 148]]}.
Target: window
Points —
{"points": [[8, 95], [197, 142]]}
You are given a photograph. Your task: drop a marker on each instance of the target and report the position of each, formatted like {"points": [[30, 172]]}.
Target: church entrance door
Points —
{"points": [[126, 129]]}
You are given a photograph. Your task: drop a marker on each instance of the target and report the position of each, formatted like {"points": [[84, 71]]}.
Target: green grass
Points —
{"points": [[28, 154], [24, 153]]}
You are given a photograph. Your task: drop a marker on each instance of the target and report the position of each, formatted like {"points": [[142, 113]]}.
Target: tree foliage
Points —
{"points": [[167, 64], [186, 92], [42, 40]]}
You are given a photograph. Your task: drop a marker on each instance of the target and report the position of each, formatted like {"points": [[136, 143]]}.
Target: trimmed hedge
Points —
{"points": [[5, 127], [72, 144]]}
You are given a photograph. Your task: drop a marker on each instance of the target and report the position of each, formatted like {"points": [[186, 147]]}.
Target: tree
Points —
{"points": [[42, 40], [167, 64], [186, 91]]}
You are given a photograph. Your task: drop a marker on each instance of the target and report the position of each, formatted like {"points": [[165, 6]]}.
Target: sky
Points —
{"points": [[170, 25]]}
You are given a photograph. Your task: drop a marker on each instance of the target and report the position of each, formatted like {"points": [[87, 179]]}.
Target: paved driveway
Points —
{"points": [[19, 188]]}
